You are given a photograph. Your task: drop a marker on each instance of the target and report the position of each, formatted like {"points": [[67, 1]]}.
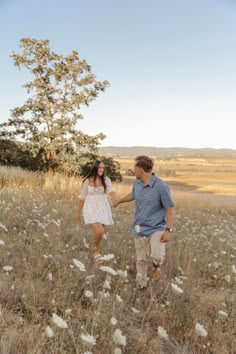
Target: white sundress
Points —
{"points": [[96, 206]]}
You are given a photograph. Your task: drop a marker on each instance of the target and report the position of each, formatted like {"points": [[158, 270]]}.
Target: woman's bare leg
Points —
{"points": [[98, 232]]}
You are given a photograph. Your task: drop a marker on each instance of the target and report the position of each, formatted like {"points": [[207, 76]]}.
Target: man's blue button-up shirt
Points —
{"points": [[151, 201]]}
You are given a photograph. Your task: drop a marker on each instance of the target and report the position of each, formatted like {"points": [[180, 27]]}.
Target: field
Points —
{"points": [[207, 174], [46, 269]]}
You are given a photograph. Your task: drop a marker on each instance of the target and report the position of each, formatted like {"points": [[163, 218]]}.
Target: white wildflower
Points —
{"points": [[228, 278], [118, 298], [181, 270], [134, 310], [118, 338], [233, 269], [178, 280], [122, 273], [88, 293], [105, 237], [57, 223], [223, 314], [107, 257], [177, 289], [3, 227], [216, 265], [108, 270], [50, 276], [200, 330], [8, 268], [58, 321], [162, 333], [113, 321], [107, 285], [79, 264], [137, 228], [2, 243], [86, 245], [117, 351], [106, 294], [68, 311], [223, 252], [49, 332], [87, 338]]}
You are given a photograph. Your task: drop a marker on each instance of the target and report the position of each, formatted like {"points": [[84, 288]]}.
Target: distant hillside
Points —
{"points": [[132, 151]]}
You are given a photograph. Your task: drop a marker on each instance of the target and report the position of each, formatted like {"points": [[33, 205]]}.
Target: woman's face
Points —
{"points": [[101, 169]]}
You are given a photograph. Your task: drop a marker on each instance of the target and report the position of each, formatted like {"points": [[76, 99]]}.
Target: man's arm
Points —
{"points": [[169, 222], [169, 217], [126, 198]]}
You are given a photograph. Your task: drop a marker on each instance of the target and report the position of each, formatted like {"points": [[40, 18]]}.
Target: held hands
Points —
{"points": [[115, 202]]}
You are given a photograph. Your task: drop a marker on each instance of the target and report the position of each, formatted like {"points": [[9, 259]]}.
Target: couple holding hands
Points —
{"points": [[153, 216]]}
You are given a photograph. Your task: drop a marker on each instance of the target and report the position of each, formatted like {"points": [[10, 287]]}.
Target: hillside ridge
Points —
{"points": [[132, 151]]}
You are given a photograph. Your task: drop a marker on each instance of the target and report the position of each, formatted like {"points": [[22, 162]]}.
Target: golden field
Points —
{"points": [[47, 271], [209, 174]]}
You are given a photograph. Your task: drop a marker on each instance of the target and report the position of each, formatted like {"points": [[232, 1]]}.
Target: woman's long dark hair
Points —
{"points": [[93, 172]]}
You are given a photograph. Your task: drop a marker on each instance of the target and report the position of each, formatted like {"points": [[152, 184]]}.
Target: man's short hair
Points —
{"points": [[144, 162]]}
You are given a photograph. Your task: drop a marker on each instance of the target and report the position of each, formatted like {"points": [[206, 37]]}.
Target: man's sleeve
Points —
{"points": [[166, 199], [133, 192]]}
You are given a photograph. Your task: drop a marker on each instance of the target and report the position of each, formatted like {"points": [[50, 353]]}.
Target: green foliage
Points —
{"points": [[14, 154], [130, 172], [112, 168], [48, 121]]}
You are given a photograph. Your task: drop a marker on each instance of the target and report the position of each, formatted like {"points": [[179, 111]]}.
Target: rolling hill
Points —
{"points": [[132, 151]]}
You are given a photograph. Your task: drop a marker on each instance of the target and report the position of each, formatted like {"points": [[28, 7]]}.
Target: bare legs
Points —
{"points": [[98, 232]]}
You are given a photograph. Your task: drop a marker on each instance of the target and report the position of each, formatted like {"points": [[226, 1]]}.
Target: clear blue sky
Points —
{"points": [[171, 65]]}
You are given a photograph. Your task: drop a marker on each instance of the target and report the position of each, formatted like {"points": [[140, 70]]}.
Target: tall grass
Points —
{"points": [[39, 238]]}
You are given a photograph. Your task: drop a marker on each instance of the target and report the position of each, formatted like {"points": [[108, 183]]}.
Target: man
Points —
{"points": [[152, 221]]}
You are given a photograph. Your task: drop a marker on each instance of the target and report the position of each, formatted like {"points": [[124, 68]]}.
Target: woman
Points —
{"points": [[94, 202]]}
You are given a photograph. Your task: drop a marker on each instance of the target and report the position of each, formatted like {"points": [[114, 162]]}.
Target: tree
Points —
{"points": [[48, 121], [130, 172], [13, 154]]}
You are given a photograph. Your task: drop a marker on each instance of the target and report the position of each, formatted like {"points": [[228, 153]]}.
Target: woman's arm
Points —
{"points": [[80, 207], [113, 197], [83, 195], [110, 190]]}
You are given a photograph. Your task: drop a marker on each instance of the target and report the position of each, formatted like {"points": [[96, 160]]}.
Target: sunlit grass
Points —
{"points": [[104, 311]]}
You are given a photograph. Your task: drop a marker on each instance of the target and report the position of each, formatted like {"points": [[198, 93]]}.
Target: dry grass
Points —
{"points": [[40, 236], [215, 175]]}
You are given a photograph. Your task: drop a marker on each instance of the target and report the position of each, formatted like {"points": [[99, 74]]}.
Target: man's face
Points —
{"points": [[138, 171]]}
